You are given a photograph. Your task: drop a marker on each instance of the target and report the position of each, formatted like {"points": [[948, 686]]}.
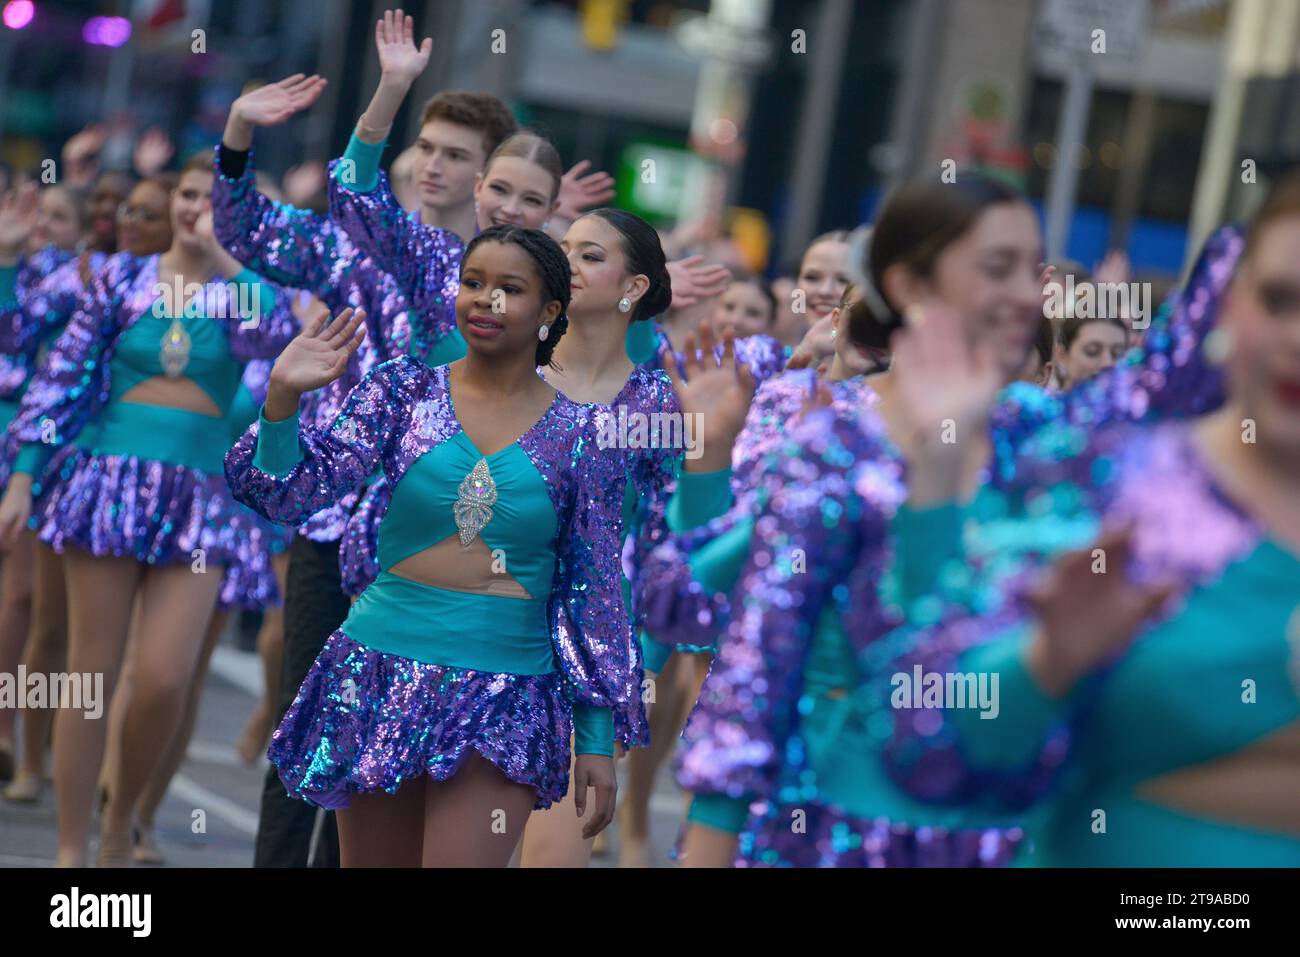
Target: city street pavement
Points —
{"points": [[215, 781]]}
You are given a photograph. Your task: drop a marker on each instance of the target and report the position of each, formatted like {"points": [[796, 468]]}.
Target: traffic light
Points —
{"points": [[600, 22]]}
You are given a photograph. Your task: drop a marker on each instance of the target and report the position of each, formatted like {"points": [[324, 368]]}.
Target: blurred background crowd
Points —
{"points": [[761, 132]]}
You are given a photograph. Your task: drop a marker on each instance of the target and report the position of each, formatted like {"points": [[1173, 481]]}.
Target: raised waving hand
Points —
{"points": [[270, 105], [315, 358], [400, 62]]}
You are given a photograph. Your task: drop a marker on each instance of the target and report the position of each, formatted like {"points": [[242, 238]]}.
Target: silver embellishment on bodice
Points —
{"points": [[175, 352], [474, 500]]}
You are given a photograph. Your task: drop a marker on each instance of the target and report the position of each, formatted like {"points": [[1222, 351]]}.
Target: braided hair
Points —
{"points": [[552, 266]]}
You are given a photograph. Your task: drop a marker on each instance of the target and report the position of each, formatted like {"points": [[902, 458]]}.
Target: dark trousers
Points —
{"points": [[314, 607]]}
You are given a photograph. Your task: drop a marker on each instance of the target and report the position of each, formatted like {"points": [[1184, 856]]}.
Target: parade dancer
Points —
{"points": [[254, 582], [39, 232], [1199, 510], [818, 593], [29, 323], [306, 251], [145, 510], [471, 616], [710, 519], [620, 279]]}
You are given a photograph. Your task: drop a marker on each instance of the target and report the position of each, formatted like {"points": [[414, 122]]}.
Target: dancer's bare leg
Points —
{"points": [[47, 652], [101, 592], [176, 606], [383, 830], [15, 623], [117, 711], [146, 847], [677, 689], [475, 818]]}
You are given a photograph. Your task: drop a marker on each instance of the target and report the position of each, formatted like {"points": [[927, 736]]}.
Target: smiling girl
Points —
{"points": [[146, 383], [439, 715]]}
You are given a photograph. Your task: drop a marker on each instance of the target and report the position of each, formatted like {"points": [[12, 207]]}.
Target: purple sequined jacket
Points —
{"points": [[400, 411], [73, 384], [304, 250], [47, 287], [837, 484], [678, 609]]}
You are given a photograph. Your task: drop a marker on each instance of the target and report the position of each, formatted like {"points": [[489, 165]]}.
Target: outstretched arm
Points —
{"points": [[286, 473], [295, 247], [400, 63]]}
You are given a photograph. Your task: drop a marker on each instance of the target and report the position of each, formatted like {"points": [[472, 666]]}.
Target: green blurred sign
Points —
{"points": [[651, 177]]}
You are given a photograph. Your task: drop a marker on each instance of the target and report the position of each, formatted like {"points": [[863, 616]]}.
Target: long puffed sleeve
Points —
{"points": [[646, 400], [685, 587], [688, 577], [1002, 752], [258, 316], [286, 472], [359, 547], [40, 302], [300, 249], [423, 260], [72, 383], [293, 247], [591, 630], [804, 543]]}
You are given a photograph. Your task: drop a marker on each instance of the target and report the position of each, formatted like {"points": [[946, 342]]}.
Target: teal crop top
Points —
{"points": [[508, 634], [156, 432], [211, 365], [523, 520]]}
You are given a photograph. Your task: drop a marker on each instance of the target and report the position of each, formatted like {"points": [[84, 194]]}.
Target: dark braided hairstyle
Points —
{"points": [[644, 256], [552, 265]]}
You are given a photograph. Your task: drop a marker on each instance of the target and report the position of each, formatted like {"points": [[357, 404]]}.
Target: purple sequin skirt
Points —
{"points": [[809, 834], [250, 583], [366, 721], [130, 507]]}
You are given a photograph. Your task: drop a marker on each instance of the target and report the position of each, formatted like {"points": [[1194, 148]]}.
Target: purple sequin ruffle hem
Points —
{"points": [[829, 837], [365, 721], [136, 508], [250, 583]]}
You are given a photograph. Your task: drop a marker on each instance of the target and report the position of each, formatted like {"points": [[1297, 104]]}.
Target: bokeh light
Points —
{"points": [[106, 31], [19, 13]]}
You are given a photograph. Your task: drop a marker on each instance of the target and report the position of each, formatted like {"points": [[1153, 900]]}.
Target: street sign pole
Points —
{"points": [[1071, 134]]}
